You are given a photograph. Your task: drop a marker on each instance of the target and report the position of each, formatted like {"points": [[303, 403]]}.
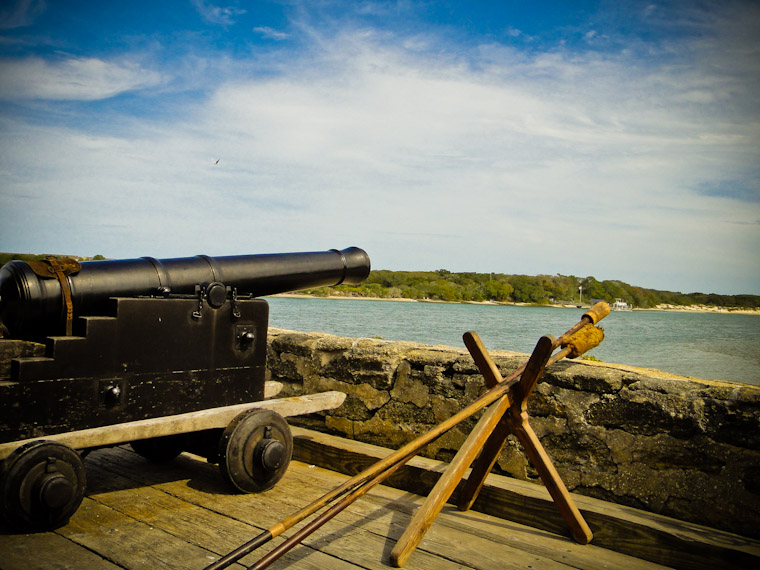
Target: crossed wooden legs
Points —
{"points": [[507, 415]]}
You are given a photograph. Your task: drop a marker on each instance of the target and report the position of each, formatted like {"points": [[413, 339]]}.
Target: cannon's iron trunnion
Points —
{"points": [[169, 355]]}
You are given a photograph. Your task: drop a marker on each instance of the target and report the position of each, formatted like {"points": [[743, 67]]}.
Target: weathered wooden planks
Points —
{"points": [[365, 532], [255, 512], [182, 515], [640, 534], [35, 552]]}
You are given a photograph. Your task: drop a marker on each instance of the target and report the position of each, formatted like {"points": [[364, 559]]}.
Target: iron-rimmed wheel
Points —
{"points": [[41, 486], [255, 450], [158, 449]]}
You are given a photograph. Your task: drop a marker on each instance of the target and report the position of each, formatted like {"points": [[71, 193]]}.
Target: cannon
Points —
{"points": [[167, 355]]}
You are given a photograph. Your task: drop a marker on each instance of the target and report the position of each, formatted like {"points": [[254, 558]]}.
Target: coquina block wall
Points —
{"points": [[677, 446]]}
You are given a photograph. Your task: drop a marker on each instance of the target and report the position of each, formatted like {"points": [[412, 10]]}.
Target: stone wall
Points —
{"points": [[681, 447]]}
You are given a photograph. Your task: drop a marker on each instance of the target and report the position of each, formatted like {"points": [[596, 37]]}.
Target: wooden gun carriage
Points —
{"points": [[169, 355]]}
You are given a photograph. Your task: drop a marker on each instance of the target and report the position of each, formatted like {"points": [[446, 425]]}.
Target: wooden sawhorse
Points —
{"points": [[507, 415]]}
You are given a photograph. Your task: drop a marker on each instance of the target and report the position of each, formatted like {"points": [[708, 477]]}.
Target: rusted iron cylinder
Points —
{"points": [[31, 306]]}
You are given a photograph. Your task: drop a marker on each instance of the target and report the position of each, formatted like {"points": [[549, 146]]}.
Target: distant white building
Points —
{"points": [[620, 305]]}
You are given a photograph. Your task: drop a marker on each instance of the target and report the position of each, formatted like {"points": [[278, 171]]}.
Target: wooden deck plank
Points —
{"points": [[256, 512], [200, 526], [540, 545], [364, 531], [182, 515], [129, 542], [385, 517], [51, 551], [534, 545], [197, 526], [656, 538]]}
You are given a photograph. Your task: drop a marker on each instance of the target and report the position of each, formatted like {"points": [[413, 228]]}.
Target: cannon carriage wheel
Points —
{"points": [[255, 450], [41, 485], [42, 481]]}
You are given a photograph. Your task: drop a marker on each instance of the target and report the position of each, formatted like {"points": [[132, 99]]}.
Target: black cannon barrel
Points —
{"points": [[31, 306]]}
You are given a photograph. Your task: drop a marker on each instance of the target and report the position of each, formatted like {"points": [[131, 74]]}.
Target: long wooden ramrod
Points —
{"points": [[395, 459]]}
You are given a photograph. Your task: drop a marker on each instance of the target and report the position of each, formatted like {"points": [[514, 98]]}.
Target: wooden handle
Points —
{"points": [[597, 312]]}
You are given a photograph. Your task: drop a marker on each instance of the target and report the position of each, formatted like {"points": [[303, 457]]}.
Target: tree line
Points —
{"points": [[443, 285]]}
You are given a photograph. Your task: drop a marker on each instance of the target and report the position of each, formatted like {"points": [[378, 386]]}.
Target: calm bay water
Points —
{"points": [[711, 346]]}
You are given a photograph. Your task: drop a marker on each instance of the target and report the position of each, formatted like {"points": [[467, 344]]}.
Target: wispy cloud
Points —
{"points": [[214, 14], [71, 78], [20, 13], [271, 33]]}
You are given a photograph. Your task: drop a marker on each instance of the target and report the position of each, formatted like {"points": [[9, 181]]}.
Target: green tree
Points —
{"points": [[527, 289], [498, 290]]}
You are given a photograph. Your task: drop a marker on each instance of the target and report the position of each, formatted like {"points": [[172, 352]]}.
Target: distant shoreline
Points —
{"points": [[664, 308]]}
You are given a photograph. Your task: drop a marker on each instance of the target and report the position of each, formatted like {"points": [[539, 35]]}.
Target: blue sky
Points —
{"points": [[613, 139]]}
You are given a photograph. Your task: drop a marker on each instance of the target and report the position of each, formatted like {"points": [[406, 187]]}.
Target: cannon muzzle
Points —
{"points": [[33, 297]]}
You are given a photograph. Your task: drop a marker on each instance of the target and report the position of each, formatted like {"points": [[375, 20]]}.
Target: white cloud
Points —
{"points": [[221, 15], [271, 33], [80, 79], [494, 160]]}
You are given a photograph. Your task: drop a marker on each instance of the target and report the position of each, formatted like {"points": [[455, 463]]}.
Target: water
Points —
{"points": [[704, 345]]}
